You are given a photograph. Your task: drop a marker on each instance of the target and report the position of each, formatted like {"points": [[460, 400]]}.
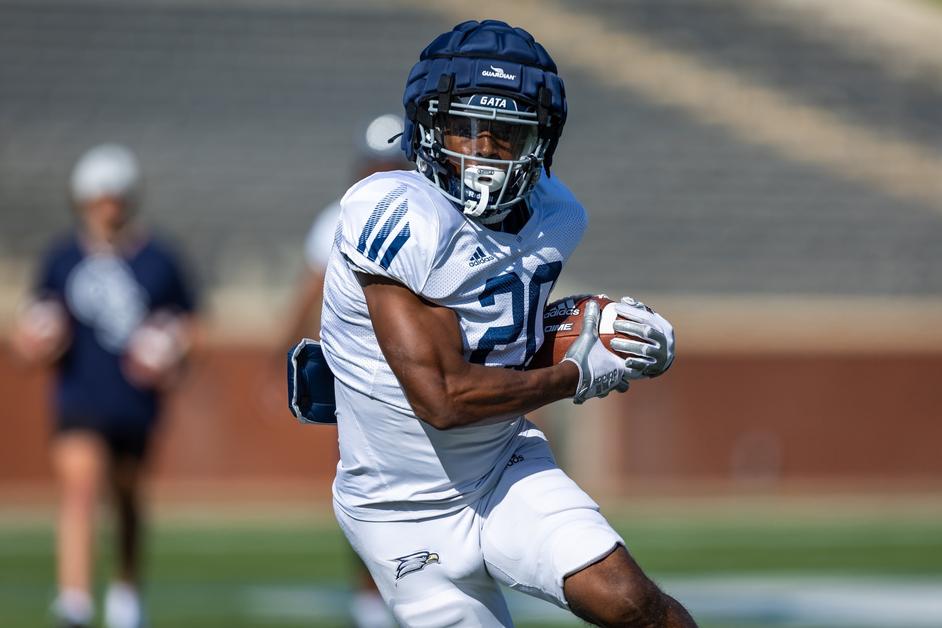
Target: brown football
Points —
{"points": [[562, 323]]}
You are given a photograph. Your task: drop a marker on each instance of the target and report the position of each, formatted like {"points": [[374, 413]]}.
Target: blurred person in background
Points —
{"points": [[112, 312], [375, 153]]}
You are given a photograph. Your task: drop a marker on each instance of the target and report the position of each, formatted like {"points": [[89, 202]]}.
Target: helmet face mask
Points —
{"points": [[485, 153], [488, 139]]}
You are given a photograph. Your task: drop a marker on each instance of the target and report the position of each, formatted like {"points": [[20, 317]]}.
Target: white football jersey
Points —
{"points": [[398, 225]]}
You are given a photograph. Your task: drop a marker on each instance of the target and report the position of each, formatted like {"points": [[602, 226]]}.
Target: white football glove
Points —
{"points": [[653, 356], [600, 370]]}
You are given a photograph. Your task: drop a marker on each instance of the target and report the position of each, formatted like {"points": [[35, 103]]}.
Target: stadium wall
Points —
{"points": [[717, 422]]}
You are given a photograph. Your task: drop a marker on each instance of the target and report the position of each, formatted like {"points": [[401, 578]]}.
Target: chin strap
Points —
{"points": [[496, 218]]}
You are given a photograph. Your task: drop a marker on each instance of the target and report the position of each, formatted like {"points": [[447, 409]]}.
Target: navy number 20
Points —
{"points": [[525, 304]]}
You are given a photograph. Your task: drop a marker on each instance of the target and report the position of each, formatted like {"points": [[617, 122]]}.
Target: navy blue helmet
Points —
{"points": [[484, 112]]}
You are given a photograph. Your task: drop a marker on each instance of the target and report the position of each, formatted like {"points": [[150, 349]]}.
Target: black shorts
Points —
{"points": [[123, 437]]}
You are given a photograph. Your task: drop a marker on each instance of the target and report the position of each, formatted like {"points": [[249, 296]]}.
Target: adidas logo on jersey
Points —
{"points": [[479, 257]]}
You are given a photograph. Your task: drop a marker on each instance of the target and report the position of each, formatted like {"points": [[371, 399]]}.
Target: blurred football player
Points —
{"points": [[435, 286], [113, 312], [374, 153]]}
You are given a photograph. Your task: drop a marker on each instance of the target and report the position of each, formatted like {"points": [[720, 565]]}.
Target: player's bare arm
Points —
{"points": [[422, 344]]}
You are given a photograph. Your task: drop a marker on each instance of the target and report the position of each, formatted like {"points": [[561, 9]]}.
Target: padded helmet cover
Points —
{"points": [[486, 57]]}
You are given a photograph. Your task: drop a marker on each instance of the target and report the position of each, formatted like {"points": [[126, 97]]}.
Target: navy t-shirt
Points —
{"points": [[107, 296]]}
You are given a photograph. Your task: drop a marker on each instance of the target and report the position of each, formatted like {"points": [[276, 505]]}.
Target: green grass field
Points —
{"points": [[261, 571]]}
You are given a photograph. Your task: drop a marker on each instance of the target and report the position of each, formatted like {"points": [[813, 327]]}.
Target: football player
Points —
{"points": [[112, 311], [435, 285]]}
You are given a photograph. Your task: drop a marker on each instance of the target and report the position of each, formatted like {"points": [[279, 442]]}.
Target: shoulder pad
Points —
{"points": [[552, 196], [391, 226]]}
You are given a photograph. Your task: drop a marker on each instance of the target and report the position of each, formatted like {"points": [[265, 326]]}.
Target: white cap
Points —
{"points": [[374, 142], [106, 170]]}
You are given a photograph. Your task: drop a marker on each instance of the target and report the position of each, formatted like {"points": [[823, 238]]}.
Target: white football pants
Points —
{"points": [[535, 528]]}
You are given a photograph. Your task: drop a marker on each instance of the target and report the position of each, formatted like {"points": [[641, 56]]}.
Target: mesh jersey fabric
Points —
{"points": [[397, 225]]}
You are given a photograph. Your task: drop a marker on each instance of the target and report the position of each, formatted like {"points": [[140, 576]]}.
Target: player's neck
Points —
{"points": [[515, 220], [108, 239]]}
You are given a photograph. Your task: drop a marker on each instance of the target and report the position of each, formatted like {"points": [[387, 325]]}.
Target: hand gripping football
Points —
{"points": [[562, 324]]}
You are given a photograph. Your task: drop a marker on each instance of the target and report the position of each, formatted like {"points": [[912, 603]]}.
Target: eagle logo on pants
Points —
{"points": [[415, 561]]}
